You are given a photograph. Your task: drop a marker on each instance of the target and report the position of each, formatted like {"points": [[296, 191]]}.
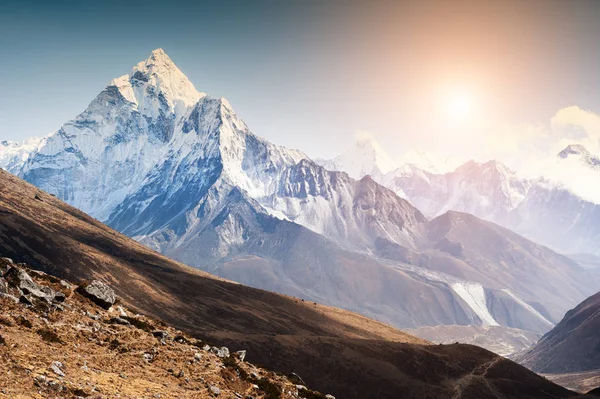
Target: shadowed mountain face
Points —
{"points": [[527, 269], [349, 355], [571, 346]]}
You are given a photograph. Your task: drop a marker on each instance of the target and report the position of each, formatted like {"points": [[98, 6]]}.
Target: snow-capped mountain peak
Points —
{"points": [[579, 151], [573, 149], [157, 79], [365, 157]]}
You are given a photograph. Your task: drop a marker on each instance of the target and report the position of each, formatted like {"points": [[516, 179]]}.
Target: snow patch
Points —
{"points": [[474, 295]]}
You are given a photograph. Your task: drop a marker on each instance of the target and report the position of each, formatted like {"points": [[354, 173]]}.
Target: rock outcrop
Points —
{"points": [[75, 347]]}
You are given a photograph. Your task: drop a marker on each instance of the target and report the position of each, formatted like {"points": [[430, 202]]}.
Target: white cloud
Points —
{"points": [[531, 150], [573, 125]]}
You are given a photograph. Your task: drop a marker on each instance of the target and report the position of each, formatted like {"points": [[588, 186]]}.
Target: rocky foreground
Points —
{"points": [[59, 340]]}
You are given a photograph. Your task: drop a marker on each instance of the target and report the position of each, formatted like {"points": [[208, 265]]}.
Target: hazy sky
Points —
{"points": [[309, 74]]}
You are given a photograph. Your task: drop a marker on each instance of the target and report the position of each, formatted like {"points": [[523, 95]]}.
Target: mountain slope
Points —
{"points": [[556, 217], [511, 261], [352, 355], [571, 346], [73, 348]]}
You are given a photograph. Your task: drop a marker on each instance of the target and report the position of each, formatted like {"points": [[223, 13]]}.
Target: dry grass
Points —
{"points": [[106, 360]]}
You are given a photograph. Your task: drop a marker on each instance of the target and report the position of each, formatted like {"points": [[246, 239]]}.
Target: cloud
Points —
{"points": [[573, 125], [515, 141], [531, 150], [518, 145]]}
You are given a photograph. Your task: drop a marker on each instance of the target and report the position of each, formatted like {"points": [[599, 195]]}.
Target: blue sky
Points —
{"points": [[309, 74]]}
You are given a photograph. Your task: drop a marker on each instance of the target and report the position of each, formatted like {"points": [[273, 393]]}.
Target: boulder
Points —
{"points": [[120, 321], [57, 368], [161, 335], [20, 279], [222, 352], [100, 293], [241, 355]]}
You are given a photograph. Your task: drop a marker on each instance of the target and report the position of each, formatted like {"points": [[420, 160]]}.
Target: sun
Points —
{"points": [[458, 104]]}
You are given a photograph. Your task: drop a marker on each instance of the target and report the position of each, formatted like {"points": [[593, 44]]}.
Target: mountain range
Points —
{"points": [[542, 210], [333, 350], [180, 172]]}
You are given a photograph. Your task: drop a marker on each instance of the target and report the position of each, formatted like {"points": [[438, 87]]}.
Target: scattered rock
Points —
{"points": [[20, 279], [100, 293], [66, 285], [57, 368], [39, 380], [329, 396], [197, 356], [222, 352], [301, 387], [148, 357], [92, 316], [122, 312], [241, 355], [118, 320], [215, 390], [161, 335]]}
